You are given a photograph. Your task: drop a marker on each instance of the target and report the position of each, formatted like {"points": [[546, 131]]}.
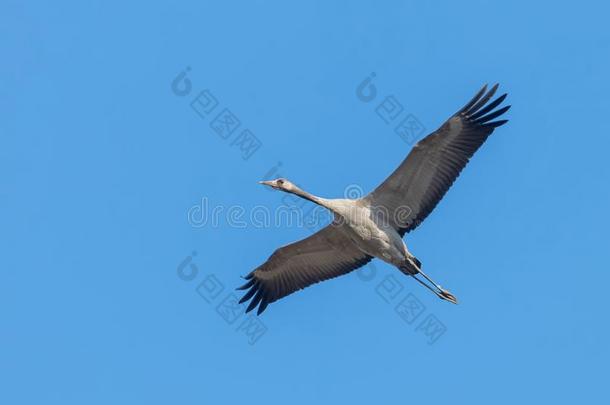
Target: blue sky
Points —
{"points": [[102, 159]]}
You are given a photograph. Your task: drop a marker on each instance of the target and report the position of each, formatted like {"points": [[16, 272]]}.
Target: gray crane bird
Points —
{"points": [[373, 226]]}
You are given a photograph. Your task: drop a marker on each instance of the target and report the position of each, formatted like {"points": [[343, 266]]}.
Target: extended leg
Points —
{"points": [[413, 270], [442, 293]]}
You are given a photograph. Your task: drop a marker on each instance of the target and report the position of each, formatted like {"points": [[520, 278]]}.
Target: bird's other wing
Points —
{"points": [[321, 256], [412, 191]]}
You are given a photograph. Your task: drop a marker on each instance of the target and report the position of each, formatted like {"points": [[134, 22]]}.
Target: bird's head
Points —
{"points": [[280, 184]]}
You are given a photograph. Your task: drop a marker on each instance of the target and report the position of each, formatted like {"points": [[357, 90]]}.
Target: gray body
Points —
{"points": [[369, 232]]}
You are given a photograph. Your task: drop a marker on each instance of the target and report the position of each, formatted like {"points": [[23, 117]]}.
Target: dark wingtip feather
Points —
{"points": [[474, 99], [257, 298], [492, 115], [495, 124], [249, 294], [256, 294], [489, 107], [262, 306], [482, 101], [247, 285]]}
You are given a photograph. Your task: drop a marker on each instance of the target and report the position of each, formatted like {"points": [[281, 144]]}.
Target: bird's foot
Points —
{"points": [[446, 295]]}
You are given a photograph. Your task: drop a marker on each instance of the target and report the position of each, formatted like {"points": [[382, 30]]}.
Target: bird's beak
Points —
{"points": [[266, 183]]}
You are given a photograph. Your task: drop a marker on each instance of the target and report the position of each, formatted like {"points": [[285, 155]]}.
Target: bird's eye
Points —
{"points": [[280, 182]]}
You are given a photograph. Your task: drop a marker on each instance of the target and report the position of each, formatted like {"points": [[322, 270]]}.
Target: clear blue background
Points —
{"points": [[100, 162]]}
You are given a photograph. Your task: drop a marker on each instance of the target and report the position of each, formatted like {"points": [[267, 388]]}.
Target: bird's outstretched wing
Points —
{"points": [[323, 255], [412, 191]]}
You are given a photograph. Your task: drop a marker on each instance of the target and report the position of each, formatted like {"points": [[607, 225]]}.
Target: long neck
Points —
{"points": [[310, 197]]}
